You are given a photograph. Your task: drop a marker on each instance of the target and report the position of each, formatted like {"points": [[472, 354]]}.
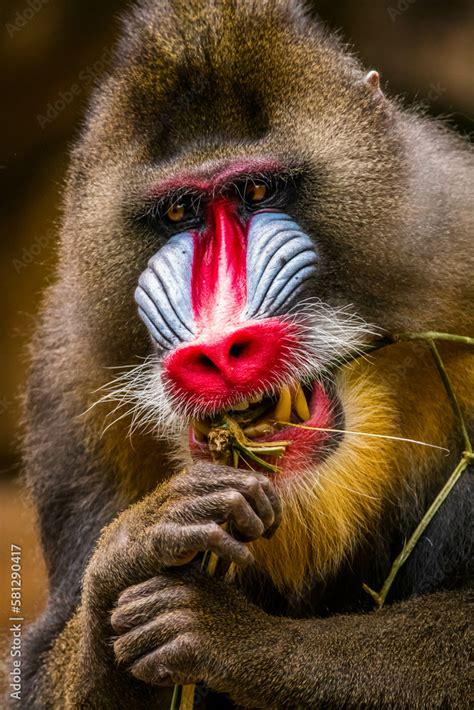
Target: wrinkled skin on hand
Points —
{"points": [[182, 627], [183, 517], [165, 530]]}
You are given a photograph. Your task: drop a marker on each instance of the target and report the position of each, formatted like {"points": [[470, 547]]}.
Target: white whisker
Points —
{"points": [[318, 335]]}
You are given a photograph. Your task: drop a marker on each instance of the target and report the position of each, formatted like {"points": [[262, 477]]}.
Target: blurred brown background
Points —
{"points": [[52, 53]]}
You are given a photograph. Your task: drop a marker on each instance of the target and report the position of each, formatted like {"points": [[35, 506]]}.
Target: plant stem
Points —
{"points": [[451, 394], [398, 338], [434, 335], [176, 699], [256, 459], [187, 697], [185, 693], [381, 596]]}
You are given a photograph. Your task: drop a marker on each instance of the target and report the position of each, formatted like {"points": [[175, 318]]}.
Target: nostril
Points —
{"points": [[237, 349], [219, 365], [206, 362]]}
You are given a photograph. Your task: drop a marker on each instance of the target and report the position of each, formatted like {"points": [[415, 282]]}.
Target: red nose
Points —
{"points": [[245, 360]]}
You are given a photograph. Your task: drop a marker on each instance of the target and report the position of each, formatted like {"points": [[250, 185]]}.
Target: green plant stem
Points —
{"points": [[176, 699], [256, 459], [451, 394], [398, 338], [381, 596], [434, 335]]}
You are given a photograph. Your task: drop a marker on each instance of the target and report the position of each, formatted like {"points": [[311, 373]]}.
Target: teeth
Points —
{"points": [[201, 426], [259, 429], [241, 407], [290, 399], [300, 404], [283, 406]]}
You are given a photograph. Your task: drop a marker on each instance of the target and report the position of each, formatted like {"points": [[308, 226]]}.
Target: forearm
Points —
{"points": [[71, 676], [415, 650]]}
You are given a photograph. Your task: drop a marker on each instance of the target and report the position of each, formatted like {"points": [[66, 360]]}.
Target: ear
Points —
{"points": [[372, 82]]}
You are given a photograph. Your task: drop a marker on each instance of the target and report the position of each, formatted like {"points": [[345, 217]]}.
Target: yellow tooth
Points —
{"points": [[259, 429], [283, 406], [301, 405], [241, 407], [201, 426], [256, 399]]}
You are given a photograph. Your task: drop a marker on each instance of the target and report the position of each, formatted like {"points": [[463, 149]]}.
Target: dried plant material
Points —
{"points": [[466, 459]]}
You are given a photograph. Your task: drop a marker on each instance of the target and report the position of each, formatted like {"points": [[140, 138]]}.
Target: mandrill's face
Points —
{"points": [[231, 307], [259, 220]]}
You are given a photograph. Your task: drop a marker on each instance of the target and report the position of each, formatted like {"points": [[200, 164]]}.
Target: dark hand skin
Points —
{"points": [[184, 516], [178, 628], [167, 529], [182, 627]]}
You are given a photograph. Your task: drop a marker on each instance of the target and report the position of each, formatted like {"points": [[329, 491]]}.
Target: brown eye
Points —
{"points": [[256, 192], [176, 213]]}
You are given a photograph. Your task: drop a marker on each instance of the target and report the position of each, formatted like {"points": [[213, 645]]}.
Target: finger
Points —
{"points": [[142, 610], [203, 479], [261, 496], [274, 499], [182, 587], [227, 547], [174, 541], [152, 673], [157, 632], [229, 506], [152, 585], [174, 662], [139, 591], [206, 478]]}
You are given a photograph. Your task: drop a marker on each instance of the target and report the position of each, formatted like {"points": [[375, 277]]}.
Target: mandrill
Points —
{"points": [[245, 210]]}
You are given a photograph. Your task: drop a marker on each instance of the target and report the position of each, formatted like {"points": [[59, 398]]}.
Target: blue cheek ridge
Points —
{"points": [[163, 294], [281, 259]]}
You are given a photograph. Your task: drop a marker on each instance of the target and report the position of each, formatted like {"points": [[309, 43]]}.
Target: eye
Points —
{"points": [[176, 213], [256, 192], [181, 210]]}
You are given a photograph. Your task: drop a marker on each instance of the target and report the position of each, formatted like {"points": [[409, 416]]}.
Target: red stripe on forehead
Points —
{"points": [[211, 176], [219, 282]]}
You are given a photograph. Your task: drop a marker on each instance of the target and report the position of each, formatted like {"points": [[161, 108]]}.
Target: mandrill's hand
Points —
{"points": [[183, 627], [168, 527]]}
